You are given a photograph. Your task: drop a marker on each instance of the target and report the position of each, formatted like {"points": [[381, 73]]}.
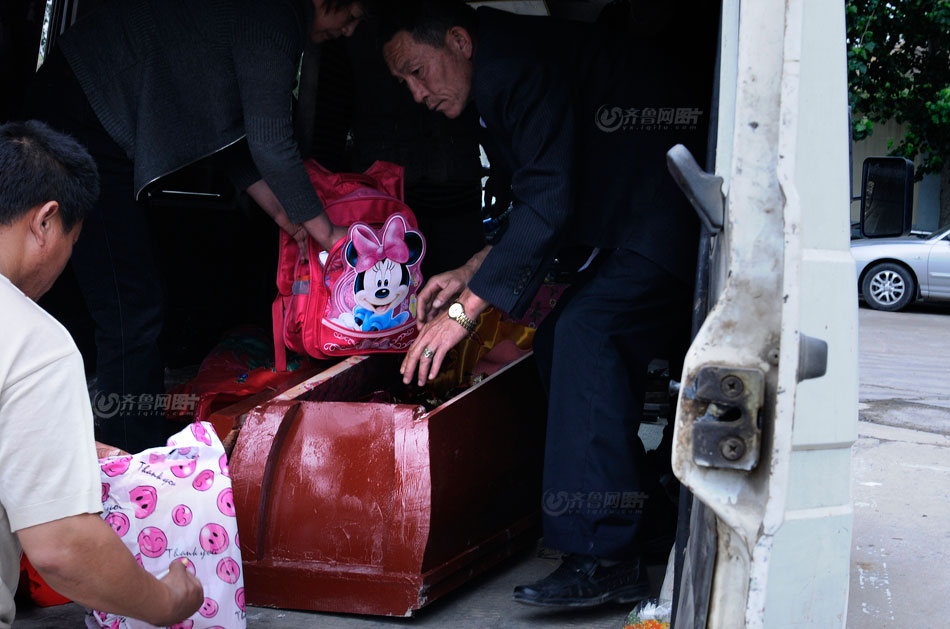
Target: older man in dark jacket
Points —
{"points": [[582, 122]]}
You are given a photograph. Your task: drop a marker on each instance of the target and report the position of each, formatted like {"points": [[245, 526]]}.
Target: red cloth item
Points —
{"points": [[240, 365], [542, 304], [32, 584]]}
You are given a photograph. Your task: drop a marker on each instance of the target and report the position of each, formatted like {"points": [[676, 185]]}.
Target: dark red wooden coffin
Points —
{"points": [[376, 508]]}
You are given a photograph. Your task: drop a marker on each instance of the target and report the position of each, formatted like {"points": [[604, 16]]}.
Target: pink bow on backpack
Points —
{"points": [[371, 251]]}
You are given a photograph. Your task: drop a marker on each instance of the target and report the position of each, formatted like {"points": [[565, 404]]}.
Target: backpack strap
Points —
{"points": [[280, 350]]}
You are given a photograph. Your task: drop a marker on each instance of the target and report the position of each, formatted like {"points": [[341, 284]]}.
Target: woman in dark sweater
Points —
{"points": [[150, 87]]}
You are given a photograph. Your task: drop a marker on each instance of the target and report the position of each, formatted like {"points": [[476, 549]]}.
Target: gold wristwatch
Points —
{"points": [[457, 312]]}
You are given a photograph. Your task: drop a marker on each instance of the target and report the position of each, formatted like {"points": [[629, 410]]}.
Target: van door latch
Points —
{"points": [[703, 190], [729, 432]]}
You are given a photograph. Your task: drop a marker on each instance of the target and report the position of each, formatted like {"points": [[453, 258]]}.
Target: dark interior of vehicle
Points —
{"points": [[217, 250]]}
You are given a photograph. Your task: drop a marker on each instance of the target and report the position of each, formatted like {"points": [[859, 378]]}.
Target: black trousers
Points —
{"points": [[115, 269], [593, 351]]}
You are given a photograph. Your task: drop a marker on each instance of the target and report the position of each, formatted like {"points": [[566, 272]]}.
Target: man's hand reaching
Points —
{"points": [[440, 290], [438, 293], [436, 338]]}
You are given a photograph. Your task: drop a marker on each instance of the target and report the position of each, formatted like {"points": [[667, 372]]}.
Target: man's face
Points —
{"points": [[333, 23], [440, 78]]}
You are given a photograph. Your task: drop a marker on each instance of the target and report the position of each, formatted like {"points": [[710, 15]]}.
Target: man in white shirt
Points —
{"points": [[50, 492]]}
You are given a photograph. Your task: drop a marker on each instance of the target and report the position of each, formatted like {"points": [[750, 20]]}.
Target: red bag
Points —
{"points": [[359, 297], [33, 585]]}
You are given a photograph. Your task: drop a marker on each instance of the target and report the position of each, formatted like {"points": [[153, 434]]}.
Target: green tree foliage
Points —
{"points": [[899, 68]]}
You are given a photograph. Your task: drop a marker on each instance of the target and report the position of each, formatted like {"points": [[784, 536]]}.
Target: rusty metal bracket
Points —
{"points": [[729, 433]]}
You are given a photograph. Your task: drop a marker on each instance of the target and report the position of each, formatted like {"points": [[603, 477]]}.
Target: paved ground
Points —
{"points": [[901, 489], [901, 471], [484, 604]]}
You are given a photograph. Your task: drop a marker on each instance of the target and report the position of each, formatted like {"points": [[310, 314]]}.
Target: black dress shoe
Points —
{"points": [[583, 581]]}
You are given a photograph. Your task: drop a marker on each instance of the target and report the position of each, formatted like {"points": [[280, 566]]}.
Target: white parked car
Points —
{"points": [[893, 272]]}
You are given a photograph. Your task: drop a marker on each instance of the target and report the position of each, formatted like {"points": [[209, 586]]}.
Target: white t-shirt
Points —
{"points": [[48, 465]]}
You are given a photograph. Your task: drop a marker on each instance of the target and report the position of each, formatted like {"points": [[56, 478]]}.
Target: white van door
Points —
{"points": [[768, 402]]}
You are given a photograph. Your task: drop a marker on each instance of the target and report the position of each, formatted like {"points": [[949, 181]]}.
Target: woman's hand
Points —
{"points": [[324, 232]]}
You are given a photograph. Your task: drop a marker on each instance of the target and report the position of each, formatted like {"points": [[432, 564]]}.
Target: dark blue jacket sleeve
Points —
{"points": [[528, 110]]}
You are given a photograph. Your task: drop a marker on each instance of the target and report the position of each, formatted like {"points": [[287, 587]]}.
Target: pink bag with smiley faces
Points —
{"points": [[175, 502]]}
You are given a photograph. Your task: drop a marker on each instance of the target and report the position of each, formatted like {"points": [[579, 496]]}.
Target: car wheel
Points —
{"points": [[888, 286]]}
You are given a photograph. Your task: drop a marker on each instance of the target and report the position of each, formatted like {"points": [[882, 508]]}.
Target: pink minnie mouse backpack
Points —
{"points": [[359, 297]]}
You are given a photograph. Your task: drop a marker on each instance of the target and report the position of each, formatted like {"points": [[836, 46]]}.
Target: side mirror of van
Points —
{"points": [[887, 197]]}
